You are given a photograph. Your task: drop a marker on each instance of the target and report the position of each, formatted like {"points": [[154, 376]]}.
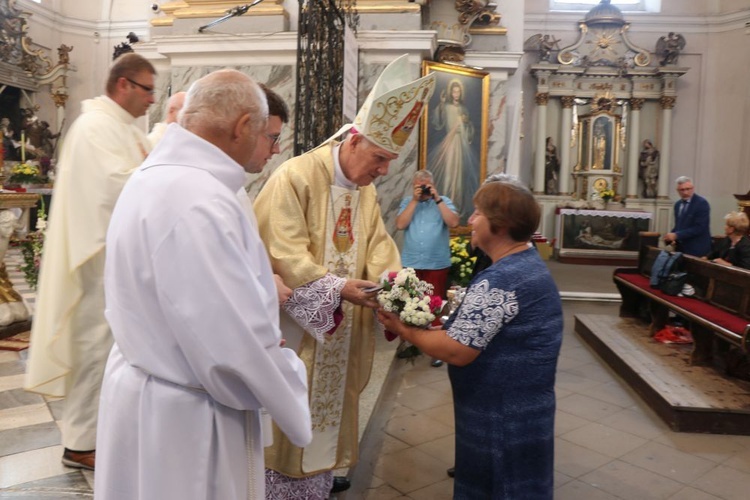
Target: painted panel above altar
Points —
{"points": [[600, 234]]}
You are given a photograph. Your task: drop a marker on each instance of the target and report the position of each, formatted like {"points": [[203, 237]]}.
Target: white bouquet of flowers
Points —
{"points": [[408, 296]]}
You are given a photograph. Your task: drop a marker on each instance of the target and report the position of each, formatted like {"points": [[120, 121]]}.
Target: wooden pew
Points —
{"points": [[719, 313]]}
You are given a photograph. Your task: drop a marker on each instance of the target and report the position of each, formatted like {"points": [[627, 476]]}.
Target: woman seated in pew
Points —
{"points": [[734, 250]]}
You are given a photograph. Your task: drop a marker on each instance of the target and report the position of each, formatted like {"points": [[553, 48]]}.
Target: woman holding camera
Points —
{"points": [[502, 345]]}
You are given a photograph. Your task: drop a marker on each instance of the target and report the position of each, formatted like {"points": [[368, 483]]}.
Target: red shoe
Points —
{"points": [[79, 459]]}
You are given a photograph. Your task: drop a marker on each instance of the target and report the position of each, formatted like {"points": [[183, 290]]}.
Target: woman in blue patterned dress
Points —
{"points": [[502, 345]]}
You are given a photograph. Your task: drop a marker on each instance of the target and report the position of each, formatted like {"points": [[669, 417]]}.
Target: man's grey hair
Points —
{"points": [[683, 179], [423, 175], [219, 98]]}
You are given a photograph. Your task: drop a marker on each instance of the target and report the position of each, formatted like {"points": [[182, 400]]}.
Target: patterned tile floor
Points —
{"points": [[609, 445], [30, 447]]}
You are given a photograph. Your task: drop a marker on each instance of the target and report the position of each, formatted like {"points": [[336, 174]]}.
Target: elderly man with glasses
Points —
{"points": [[70, 335], [692, 218]]}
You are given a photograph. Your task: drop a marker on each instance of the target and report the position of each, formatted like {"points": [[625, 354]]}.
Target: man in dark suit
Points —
{"points": [[692, 216]]}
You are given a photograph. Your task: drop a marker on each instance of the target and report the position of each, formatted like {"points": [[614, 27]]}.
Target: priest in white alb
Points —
{"points": [[70, 338], [193, 306]]}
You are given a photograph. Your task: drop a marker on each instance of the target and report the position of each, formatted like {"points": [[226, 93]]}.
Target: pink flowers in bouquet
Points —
{"points": [[408, 296]]}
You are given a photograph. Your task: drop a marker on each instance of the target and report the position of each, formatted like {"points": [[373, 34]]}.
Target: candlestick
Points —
{"points": [[23, 147]]}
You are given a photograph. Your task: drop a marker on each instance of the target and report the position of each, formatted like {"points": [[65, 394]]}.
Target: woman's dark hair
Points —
{"points": [[511, 206]]}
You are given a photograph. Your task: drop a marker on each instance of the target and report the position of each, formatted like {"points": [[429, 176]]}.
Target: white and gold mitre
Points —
{"points": [[393, 108]]}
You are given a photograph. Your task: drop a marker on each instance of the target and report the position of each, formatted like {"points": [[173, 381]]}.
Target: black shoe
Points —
{"points": [[436, 363], [340, 483], [79, 459], [451, 472]]}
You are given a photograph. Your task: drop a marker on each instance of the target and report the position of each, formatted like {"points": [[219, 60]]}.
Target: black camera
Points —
{"points": [[426, 191]]}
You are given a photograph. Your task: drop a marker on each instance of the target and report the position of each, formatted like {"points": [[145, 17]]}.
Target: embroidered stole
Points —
{"points": [[329, 370]]}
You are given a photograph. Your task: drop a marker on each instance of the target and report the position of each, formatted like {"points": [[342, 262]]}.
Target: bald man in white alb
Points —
{"points": [[174, 105]]}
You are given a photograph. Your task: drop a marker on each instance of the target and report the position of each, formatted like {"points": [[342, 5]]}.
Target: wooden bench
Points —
{"points": [[719, 313]]}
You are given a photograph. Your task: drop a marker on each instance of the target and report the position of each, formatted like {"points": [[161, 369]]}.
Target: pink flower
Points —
{"points": [[436, 304]]}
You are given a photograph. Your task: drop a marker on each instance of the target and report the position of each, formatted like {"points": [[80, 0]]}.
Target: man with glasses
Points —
{"points": [[70, 335], [270, 139], [692, 218], [268, 145]]}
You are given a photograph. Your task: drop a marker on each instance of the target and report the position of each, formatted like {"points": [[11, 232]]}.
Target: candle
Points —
{"points": [[23, 146]]}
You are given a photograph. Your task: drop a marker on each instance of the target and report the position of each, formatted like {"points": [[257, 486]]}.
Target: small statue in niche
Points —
{"points": [[669, 47], [648, 169], [551, 168]]}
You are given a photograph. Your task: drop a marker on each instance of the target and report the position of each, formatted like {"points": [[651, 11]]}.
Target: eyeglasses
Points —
{"points": [[275, 139], [148, 89]]}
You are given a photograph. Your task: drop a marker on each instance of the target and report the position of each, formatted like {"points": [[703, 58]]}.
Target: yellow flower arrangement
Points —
{"points": [[25, 173], [606, 194], [462, 264]]}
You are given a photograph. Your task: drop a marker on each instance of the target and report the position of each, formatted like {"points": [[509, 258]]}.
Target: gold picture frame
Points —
{"points": [[598, 148], [453, 141]]}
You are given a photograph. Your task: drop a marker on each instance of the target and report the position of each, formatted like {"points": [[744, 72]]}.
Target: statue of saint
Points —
{"points": [[648, 169], [600, 142], [551, 168]]}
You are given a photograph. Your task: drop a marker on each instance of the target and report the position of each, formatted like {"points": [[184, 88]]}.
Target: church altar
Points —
{"points": [[600, 234], [14, 316]]}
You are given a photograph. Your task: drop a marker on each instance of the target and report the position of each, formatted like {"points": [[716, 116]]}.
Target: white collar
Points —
{"points": [[339, 179]]}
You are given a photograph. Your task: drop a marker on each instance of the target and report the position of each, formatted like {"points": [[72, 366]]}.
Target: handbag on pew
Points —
{"points": [[666, 264], [674, 283]]}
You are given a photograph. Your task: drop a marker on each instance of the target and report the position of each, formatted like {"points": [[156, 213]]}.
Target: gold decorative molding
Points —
{"points": [[27, 65], [59, 98], [168, 9], [387, 7], [18, 200], [488, 30], [477, 13], [193, 9], [636, 103], [541, 98], [567, 101], [667, 102], [450, 53]]}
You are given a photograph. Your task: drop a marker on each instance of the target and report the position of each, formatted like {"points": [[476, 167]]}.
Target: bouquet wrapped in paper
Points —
{"points": [[409, 297]]}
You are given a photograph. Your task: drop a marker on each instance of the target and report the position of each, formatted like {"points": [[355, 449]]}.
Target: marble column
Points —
{"points": [[541, 138], [667, 103], [634, 147], [567, 123]]}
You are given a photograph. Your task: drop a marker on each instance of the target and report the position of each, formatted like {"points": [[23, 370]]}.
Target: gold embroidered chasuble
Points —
{"points": [[307, 235]]}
